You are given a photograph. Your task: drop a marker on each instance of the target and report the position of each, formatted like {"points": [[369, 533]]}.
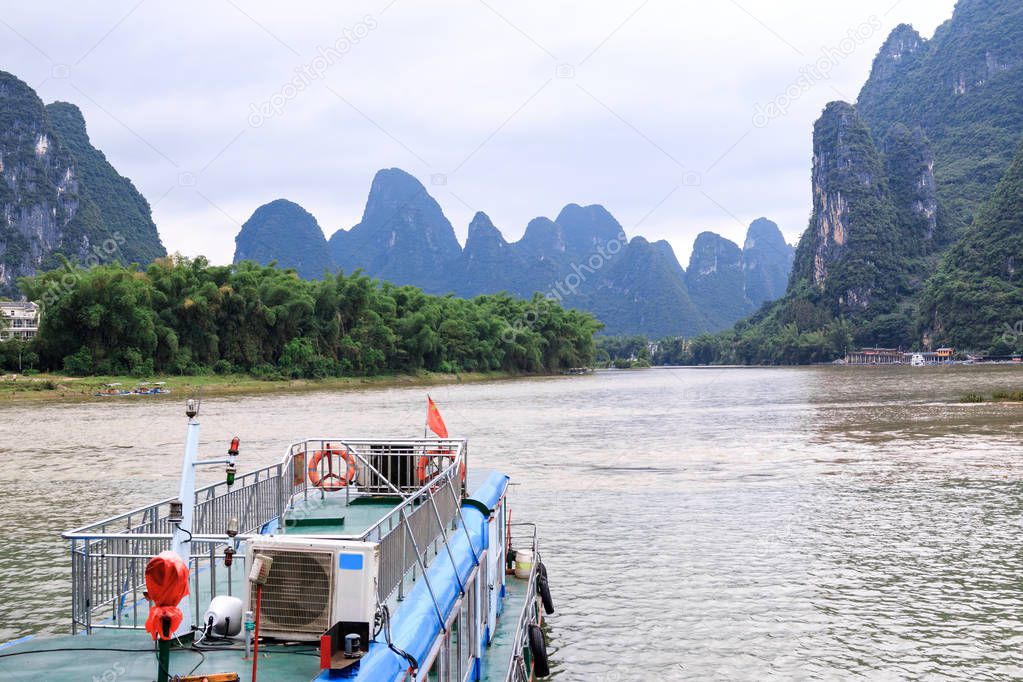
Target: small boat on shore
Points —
{"points": [[348, 559], [151, 388], [112, 391]]}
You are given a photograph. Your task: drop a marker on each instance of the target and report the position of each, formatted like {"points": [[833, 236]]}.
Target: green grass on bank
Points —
{"points": [[62, 387], [996, 397]]}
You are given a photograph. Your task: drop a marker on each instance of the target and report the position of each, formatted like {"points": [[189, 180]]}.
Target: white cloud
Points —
{"points": [[453, 85]]}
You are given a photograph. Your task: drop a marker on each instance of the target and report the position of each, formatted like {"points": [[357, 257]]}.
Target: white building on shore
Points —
{"points": [[20, 320]]}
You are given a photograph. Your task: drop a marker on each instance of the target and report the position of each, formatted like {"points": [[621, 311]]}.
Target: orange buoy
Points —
{"points": [[331, 480], [424, 462]]}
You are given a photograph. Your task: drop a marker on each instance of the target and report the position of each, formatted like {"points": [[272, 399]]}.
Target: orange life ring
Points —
{"points": [[424, 462], [331, 480]]}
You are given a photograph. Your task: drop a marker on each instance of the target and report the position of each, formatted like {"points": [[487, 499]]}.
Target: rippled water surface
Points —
{"points": [[697, 523]]}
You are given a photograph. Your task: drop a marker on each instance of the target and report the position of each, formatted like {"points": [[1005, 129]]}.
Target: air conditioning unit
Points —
{"points": [[313, 585]]}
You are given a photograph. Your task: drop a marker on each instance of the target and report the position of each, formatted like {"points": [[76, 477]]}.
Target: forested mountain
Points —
{"points": [[897, 183], [976, 298], [852, 252], [285, 232], [716, 280], [962, 88], [582, 258], [403, 237], [487, 258], [122, 207], [643, 291], [766, 262], [58, 194]]}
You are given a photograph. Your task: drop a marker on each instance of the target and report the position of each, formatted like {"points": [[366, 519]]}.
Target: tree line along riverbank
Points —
{"points": [[185, 317]]}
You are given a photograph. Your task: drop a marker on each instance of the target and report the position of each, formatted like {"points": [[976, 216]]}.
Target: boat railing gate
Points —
{"points": [[108, 558], [520, 668]]}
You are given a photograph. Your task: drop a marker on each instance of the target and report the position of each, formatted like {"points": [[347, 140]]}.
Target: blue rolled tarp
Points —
{"points": [[416, 625]]}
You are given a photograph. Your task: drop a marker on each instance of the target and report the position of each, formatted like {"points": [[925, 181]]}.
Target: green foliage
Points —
{"points": [[622, 351], [79, 363], [285, 233], [975, 300], [188, 317], [962, 88], [893, 330], [1008, 396], [120, 209], [17, 355], [908, 163], [771, 337]]}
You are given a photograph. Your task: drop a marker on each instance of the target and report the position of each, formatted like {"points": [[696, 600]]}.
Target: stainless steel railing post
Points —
{"points": [[468, 537], [404, 568], [443, 534], [429, 587]]}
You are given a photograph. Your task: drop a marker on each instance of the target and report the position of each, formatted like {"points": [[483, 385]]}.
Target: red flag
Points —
{"points": [[434, 420]]}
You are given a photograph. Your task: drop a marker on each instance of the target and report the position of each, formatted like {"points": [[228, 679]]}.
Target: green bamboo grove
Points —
{"points": [[185, 316]]}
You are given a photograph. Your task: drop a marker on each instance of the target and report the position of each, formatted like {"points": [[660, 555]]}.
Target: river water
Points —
{"points": [[697, 523]]}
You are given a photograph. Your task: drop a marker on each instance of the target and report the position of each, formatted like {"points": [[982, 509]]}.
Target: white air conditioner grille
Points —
{"points": [[297, 594]]}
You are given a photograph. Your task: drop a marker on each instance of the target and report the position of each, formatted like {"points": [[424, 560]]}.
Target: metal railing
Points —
{"points": [[108, 558], [255, 499], [108, 578], [519, 668], [419, 521], [381, 467]]}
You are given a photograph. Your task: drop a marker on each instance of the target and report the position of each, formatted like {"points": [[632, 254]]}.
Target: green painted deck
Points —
{"points": [[501, 649], [100, 657], [123, 656], [332, 515]]}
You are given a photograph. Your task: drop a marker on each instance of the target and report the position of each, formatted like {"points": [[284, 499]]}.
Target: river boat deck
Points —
{"points": [[429, 594]]}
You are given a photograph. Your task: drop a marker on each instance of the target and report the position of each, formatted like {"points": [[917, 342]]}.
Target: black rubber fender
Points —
{"points": [[543, 588], [538, 649]]}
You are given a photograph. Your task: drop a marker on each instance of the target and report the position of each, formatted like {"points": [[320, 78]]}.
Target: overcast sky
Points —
{"points": [[678, 116]]}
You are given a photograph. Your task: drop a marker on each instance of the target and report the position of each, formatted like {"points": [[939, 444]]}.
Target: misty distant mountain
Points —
{"points": [[582, 258], [766, 262], [403, 237], [716, 280], [284, 232]]}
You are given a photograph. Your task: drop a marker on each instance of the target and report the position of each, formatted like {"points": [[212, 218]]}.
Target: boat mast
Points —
{"points": [[183, 508], [181, 544]]}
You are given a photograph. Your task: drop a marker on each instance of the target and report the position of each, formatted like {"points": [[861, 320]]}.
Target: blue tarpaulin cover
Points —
{"points": [[415, 626]]}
